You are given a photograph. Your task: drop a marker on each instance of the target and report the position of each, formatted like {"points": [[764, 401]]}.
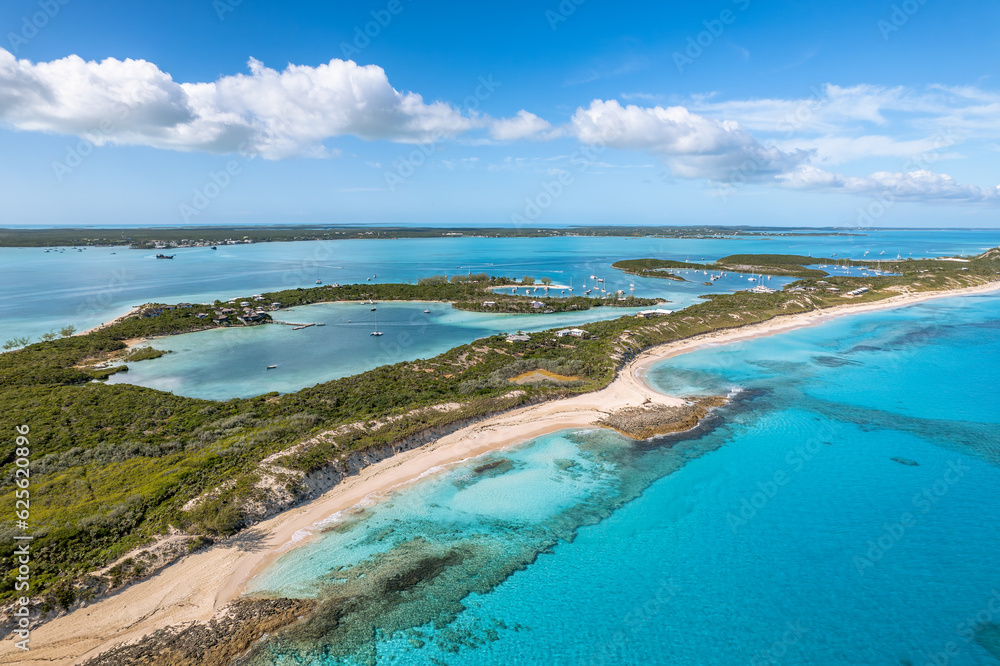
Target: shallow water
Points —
{"points": [[796, 530], [43, 291], [232, 362]]}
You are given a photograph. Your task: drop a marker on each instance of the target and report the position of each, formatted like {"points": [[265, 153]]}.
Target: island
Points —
{"points": [[180, 237], [130, 479]]}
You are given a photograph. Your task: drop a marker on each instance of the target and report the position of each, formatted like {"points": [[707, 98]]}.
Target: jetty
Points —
{"points": [[296, 326]]}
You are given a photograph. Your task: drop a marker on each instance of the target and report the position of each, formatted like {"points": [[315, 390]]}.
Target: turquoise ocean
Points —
{"points": [[844, 509]]}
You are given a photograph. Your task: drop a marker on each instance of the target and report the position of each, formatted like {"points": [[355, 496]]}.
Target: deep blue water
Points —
{"points": [[844, 510]]}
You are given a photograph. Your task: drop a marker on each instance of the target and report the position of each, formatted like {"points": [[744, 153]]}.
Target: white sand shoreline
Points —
{"points": [[195, 587]]}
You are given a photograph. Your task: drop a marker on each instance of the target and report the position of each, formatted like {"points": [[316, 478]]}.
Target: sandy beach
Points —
{"points": [[120, 318], [194, 588]]}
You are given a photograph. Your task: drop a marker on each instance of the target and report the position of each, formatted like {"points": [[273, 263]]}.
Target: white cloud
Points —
{"points": [[839, 149], [825, 109], [524, 125], [271, 113], [921, 185], [693, 146]]}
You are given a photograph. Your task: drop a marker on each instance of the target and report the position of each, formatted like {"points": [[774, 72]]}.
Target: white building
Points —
{"points": [[645, 314], [574, 332]]}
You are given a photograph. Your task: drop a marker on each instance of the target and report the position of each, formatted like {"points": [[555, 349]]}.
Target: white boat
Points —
{"points": [[271, 367], [427, 311]]}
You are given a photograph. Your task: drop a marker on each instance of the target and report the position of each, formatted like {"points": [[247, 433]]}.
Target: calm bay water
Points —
{"points": [[43, 291], [843, 511], [47, 291], [228, 363]]}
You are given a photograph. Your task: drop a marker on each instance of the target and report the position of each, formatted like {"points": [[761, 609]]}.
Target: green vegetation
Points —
{"points": [[785, 265], [112, 466], [464, 292], [143, 353], [147, 238], [14, 343]]}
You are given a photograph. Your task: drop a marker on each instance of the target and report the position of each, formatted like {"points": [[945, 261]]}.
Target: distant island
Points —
{"points": [[178, 237]]}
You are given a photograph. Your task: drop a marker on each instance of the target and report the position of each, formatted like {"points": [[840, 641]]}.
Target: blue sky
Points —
{"points": [[538, 113]]}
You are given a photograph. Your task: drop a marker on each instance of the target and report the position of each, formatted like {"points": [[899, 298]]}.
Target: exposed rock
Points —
{"points": [[646, 422], [219, 641]]}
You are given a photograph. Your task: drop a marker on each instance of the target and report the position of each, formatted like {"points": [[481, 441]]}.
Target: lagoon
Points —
{"points": [[44, 291], [225, 363]]}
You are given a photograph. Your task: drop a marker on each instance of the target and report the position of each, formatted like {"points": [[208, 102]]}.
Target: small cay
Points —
{"points": [[646, 422]]}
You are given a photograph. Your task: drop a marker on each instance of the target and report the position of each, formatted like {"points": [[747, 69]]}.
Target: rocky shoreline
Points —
{"points": [[649, 421], [219, 641]]}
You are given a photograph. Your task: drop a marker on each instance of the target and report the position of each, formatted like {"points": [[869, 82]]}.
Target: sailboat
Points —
{"points": [[376, 332]]}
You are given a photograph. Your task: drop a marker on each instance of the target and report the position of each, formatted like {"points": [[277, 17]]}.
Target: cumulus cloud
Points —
{"points": [[920, 185], [267, 112], [693, 146], [524, 125]]}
